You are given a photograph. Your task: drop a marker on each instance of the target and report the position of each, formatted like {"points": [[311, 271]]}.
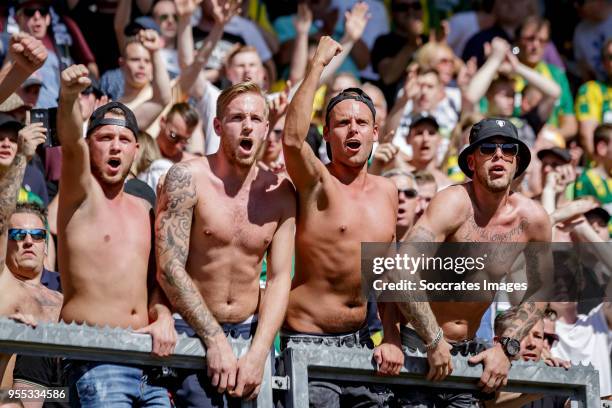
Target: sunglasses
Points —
{"points": [[164, 17], [551, 338], [507, 149], [408, 192], [18, 234], [406, 7], [30, 11], [176, 138], [277, 134]]}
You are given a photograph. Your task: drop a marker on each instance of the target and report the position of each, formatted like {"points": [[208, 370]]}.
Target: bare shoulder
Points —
{"points": [[183, 174], [540, 226], [456, 198]]}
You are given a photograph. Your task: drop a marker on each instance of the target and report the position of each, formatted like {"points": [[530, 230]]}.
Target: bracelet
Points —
{"points": [[435, 341]]}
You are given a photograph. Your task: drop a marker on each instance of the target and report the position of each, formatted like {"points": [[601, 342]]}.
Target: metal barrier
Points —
{"points": [[307, 361], [301, 361], [106, 344]]}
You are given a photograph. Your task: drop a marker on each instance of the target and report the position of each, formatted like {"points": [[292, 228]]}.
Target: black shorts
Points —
{"points": [[40, 372]]}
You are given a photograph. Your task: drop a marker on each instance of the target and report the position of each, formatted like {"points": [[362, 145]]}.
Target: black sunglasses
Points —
{"points": [[551, 338], [18, 234], [406, 7], [408, 192], [508, 149], [30, 11]]}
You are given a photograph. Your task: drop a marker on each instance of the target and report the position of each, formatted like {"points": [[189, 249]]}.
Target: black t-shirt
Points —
{"points": [[387, 46], [475, 45], [34, 181]]}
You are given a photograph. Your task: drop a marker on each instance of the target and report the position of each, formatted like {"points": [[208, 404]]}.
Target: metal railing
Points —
{"points": [[301, 361]]}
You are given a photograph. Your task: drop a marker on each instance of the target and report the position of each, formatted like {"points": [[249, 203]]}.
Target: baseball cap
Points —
{"points": [[598, 212], [423, 117], [33, 79], [97, 118], [141, 23], [13, 102], [356, 94], [7, 120], [563, 154]]}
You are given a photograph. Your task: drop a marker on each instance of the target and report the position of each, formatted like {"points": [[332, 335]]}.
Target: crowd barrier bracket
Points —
{"points": [[307, 361]]}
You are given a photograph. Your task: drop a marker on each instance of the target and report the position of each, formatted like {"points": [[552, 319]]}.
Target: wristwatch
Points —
{"points": [[510, 345]]}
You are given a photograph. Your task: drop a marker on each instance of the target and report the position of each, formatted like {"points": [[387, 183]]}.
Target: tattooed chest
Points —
{"points": [[470, 231]]}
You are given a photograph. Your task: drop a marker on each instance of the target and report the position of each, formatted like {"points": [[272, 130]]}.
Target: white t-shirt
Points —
{"points": [[207, 109], [155, 171], [589, 340]]}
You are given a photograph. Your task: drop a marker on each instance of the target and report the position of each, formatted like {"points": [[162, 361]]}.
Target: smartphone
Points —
{"points": [[48, 117]]}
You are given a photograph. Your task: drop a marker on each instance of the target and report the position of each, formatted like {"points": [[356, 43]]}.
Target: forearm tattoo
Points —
{"points": [[527, 316], [173, 230], [10, 182]]}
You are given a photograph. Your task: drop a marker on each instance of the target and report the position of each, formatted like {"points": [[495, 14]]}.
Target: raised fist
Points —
{"points": [[327, 50], [224, 10], [28, 53], [150, 40], [74, 80], [303, 19]]}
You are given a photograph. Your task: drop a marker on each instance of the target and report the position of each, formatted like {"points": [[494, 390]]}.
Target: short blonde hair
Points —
{"points": [[235, 91], [240, 50], [425, 55]]}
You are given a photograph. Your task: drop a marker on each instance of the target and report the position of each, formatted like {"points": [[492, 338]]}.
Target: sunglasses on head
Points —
{"points": [[406, 7], [508, 149], [408, 192], [30, 11], [176, 138], [19, 234], [551, 338]]}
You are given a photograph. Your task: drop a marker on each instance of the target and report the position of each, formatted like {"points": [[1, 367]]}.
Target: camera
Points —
{"points": [[48, 117]]}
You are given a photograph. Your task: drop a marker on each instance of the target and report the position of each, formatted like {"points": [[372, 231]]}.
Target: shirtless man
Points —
{"points": [[104, 242], [484, 210], [340, 206], [218, 216], [25, 295]]}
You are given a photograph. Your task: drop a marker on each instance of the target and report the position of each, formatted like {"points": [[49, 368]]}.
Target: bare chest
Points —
{"points": [[247, 221], [360, 217]]}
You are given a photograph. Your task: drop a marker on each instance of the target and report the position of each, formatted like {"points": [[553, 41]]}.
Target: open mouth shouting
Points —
{"points": [[114, 164], [246, 146], [353, 145]]}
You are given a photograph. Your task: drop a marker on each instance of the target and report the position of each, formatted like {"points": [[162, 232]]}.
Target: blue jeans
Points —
{"points": [[94, 384]]}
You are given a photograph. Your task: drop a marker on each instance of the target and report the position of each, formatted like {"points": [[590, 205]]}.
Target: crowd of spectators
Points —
{"points": [[432, 69]]}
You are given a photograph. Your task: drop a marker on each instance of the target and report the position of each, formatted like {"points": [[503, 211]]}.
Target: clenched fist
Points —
{"points": [[74, 80], [327, 50], [150, 40], [28, 53]]}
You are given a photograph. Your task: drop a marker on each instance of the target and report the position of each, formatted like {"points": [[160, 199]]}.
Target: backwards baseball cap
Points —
{"points": [[350, 93], [491, 128], [97, 118]]}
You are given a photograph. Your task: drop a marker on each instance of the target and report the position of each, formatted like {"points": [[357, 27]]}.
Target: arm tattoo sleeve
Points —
{"points": [[528, 314], [173, 230], [10, 181], [418, 313]]}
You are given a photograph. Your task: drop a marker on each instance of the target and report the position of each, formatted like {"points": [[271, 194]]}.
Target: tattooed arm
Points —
{"points": [[10, 181], [11, 178], [173, 230], [539, 271]]}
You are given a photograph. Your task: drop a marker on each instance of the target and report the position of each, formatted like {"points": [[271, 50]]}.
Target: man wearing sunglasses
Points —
{"points": [[27, 296], [484, 210]]}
